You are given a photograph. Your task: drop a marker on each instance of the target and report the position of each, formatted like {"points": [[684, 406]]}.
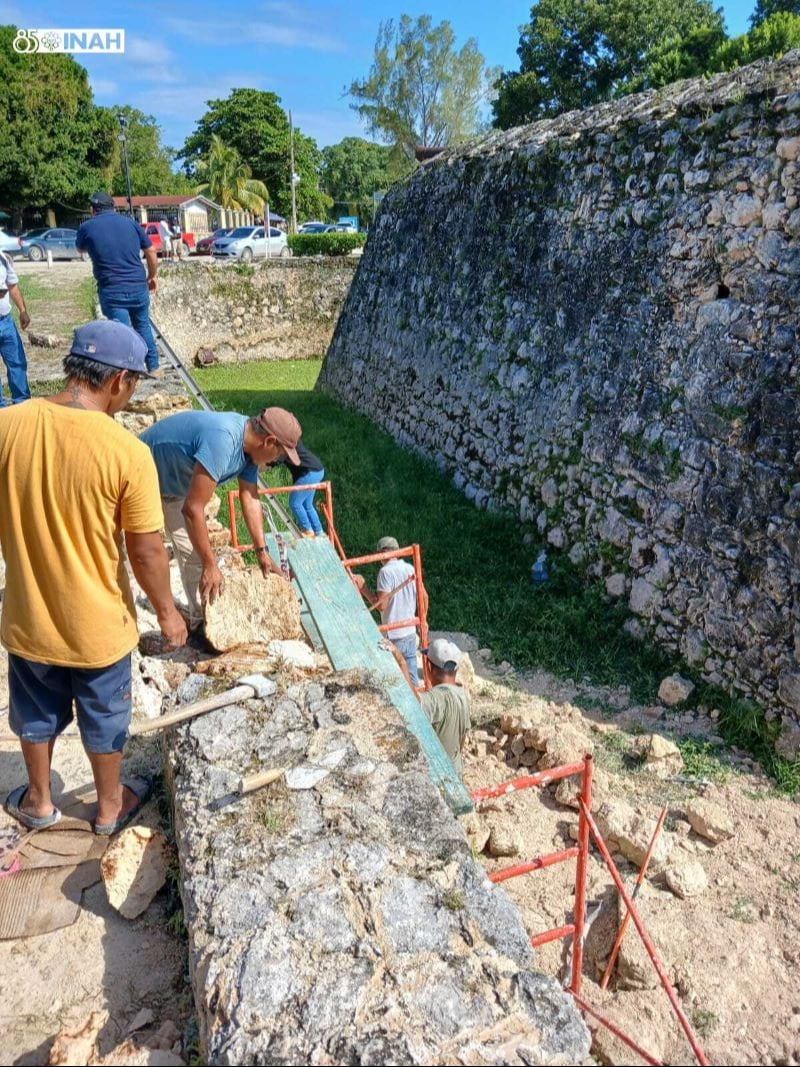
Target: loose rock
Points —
{"points": [[675, 690]]}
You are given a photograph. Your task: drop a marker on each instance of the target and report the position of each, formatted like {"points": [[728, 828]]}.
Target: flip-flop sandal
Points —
{"points": [[13, 805], [142, 786]]}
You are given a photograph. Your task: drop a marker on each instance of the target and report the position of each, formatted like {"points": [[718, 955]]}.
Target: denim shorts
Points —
{"points": [[41, 697]]}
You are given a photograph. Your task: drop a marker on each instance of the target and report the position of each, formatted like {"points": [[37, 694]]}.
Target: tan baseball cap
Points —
{"points": [[284, 426]]}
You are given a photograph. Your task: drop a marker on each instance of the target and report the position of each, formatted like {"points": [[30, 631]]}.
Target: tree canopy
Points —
{"points": [[150, 161], [574, 53], [55, 145], [352, 171], [227, 180], [765, 8], [254, 123], [421, 90]]}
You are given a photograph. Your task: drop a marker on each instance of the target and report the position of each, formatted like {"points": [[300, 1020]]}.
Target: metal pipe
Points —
{"points": [[528, 781], [580, 874], [615, 1030], [423, 615], [612, 959], [552, 935], [380, 557], [648, 944], [537, 864]]}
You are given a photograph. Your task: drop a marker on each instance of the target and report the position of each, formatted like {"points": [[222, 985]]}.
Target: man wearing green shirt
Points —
{"points": [[446, 705]]}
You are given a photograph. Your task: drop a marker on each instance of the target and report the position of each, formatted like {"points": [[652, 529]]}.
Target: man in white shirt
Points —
{"points": [[11, 348], [396, 599], [166, 238]]}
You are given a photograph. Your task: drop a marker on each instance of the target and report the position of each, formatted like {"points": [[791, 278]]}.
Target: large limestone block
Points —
{"points": [[253, 609]]}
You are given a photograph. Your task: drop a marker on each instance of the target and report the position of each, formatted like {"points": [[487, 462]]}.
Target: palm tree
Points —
{"points": [[226, 179]]}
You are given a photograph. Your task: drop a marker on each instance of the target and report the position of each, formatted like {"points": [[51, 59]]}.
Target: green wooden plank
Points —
{"points": [[352, 640]]}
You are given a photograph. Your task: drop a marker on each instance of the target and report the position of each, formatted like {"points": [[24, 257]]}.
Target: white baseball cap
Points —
{"points": [[442, 653]]}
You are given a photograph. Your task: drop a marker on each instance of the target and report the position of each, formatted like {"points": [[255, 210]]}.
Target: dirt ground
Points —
{"points": [[56, 305], [102, 962], [732, 951]]}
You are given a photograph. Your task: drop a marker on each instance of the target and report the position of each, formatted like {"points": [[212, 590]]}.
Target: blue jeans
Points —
{"points": [[14, 358], [407, 647], [131, 306], [302, 504]]}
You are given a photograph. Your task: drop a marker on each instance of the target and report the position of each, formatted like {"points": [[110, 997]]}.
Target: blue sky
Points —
{"points": [[181, 54]]}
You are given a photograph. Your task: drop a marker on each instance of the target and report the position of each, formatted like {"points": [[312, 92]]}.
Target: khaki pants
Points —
{"points": [[189, 562]]}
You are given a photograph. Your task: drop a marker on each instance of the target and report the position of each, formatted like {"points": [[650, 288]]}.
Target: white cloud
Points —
{"points": [[267, 31], [104, 87], [147, 50]]}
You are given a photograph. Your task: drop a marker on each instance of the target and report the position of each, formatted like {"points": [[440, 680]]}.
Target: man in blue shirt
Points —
{"points": [[114, 243], [194, 451]]}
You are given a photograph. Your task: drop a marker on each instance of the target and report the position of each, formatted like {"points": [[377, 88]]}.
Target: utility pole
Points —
{"points": [[122, 119], [294, 177]]}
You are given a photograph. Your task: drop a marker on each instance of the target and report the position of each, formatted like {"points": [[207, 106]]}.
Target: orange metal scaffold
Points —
{"points": [[413, 552], [587, 830]]}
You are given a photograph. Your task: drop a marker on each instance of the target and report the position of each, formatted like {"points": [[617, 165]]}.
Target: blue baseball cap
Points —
{"points": [[112, 343]]}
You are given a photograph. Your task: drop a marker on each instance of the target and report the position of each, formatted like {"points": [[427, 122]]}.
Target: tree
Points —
{"points": [[254, 123], [226, 179], [574, 53], [777, 34], [150, 162], [766, 8], [352, 171], [56, 147], [420, 90]]}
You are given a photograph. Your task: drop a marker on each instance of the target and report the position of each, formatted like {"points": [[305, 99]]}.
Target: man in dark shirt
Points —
{"points": [[114, 243], [308, 471]]}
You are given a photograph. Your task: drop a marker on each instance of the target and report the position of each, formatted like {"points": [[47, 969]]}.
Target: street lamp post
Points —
{"points": [[295, 178], [122, 119]]}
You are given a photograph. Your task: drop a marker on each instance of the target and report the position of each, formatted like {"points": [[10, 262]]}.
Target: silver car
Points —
{"points": [[10, 244], [249, 242]]}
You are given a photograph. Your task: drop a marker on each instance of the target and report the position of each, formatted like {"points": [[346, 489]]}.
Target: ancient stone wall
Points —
{"points": [[593, 322], [338, 915], [283, 309]]}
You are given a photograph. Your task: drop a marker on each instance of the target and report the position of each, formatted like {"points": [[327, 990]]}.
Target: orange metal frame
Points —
{"points": [[420, 620], [587, 829]]}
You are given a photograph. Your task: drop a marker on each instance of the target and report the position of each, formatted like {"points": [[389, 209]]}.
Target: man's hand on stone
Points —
{"points": [[211, 583], [174, 630]]}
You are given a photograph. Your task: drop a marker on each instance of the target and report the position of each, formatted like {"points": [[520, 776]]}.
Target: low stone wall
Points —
{"points": [[338, 916], [282, 309], [591, 322]]}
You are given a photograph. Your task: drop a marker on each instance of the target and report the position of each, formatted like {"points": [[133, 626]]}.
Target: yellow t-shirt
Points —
{"points": [[70, 481]]}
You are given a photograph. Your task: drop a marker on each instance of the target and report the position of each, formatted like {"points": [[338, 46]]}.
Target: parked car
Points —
{"points": [[153, 231], [10, 244], [316, 227], [60, 243], [249, 242], [204, 244]]}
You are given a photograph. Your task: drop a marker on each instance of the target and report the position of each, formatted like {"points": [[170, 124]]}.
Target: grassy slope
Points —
{"points": [[477, 569]]}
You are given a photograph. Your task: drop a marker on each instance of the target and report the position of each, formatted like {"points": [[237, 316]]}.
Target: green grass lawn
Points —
{"points": [[57, 308], [477, 570]]}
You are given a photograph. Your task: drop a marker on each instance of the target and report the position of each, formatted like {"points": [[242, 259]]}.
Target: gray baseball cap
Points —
{"points": [[442, 653], [112, 343], [387, 544]]}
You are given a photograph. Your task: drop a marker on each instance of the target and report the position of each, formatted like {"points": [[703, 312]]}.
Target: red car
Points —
{"points": [[205, 243], [153, 231]]}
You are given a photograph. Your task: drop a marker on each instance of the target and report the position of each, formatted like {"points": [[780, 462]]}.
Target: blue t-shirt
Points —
{"points": [[213, 439], [114, 242]]}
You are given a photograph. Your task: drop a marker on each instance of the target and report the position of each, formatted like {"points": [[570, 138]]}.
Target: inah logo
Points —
{"points": [[52, 41]]}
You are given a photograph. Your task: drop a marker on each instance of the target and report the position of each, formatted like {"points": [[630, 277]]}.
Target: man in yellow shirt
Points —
{"points": [[72, 481]]}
